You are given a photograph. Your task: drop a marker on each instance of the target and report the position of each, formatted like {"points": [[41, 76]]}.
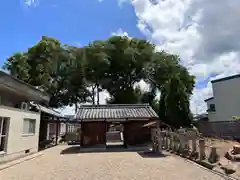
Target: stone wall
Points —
{"points": [[224, 129]]}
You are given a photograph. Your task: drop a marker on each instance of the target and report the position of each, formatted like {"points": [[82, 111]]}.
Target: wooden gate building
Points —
{"points": [[96, 120]]}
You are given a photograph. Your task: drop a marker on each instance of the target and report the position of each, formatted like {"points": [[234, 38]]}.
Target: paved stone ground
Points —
{"points": [[105, 166]]}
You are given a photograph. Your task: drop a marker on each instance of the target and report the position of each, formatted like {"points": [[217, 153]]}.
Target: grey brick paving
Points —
{"points": [[105, 166]]}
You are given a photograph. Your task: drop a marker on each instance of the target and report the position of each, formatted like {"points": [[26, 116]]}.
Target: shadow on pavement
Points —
{"points": [[150, 154], [144, 152]]}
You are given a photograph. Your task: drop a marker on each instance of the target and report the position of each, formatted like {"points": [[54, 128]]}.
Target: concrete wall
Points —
{"points": [[211, 101], [227, 99], [17, 142], [211, 115], [223, 129]]}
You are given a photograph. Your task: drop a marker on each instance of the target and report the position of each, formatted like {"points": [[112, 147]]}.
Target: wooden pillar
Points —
{"points": [[153, 138], [57, 130], [66, 131], [49, 127], [106, 129], [124, 134], [82, 133]]}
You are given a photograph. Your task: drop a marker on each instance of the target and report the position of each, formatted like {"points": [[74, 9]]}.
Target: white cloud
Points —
{"points": [[204, 33], [143, 85], [68, 110], [197, 100], [121, 2], [31, 3], [120, 32]]}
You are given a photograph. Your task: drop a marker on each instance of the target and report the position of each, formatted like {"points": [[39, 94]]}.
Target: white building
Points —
{"points": [[19, 127], [225, 102]]}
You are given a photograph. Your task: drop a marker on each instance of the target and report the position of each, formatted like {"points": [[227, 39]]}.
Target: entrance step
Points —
{"points": [[114, 136], [120, 143]]}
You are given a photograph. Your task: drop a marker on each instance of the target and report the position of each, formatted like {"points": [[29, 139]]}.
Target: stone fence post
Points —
{"points": [[181, 143], [153, 134], [194, 144], [170, 147], [175, 142], [159, 140], [163, 139], [213, 157], [202, 153]]}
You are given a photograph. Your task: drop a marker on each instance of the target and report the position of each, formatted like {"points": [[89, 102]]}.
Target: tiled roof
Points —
{"points": [[116, 111]]}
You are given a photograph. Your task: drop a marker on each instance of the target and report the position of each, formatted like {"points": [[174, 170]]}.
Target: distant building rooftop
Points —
{"points": [[226, 78], [203, 116], [208, 99]]}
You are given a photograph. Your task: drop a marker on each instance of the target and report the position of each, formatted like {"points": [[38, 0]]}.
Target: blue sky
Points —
{"points": [[70, 21], [175, 26]]}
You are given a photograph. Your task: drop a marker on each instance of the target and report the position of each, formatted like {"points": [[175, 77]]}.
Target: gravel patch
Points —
{"points": [[105, 166]]}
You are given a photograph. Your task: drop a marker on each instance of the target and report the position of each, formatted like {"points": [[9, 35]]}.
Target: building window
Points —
{"points": [[29, 126], [212, 107], [4, 121]]}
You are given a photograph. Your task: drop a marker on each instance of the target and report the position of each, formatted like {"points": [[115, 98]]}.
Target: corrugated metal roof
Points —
{"points": [[116, 111]]}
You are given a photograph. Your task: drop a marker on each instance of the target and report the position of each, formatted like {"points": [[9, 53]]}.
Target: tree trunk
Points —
{"points": [[93, 95], [76, 108], [98, 94]]}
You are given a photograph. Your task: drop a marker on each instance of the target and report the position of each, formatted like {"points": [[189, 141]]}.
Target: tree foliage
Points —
{"points": [[73, 75]]}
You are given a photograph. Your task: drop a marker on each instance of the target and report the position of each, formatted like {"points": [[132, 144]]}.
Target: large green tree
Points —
{"points": [[52, 67], [176, 86], [75, 89], [74, 75], [127, 58], [97, 65]]}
